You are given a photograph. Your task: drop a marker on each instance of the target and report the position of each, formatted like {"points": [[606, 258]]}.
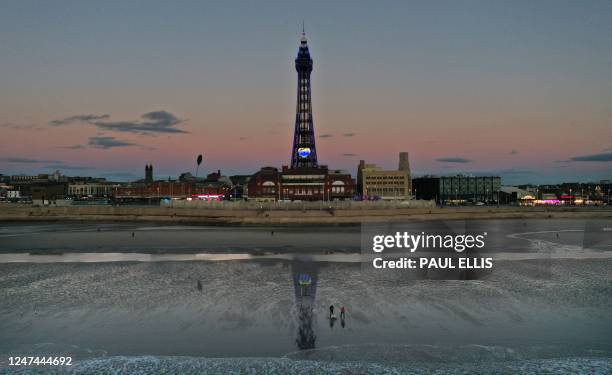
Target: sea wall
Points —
{"points": [[263, 216], [299, 206]]}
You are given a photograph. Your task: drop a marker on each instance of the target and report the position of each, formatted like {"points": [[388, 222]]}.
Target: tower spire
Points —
{"points": [[303, 41]]}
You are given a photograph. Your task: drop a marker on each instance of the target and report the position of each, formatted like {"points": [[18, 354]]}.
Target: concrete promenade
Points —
{"points": [[292, 214]]}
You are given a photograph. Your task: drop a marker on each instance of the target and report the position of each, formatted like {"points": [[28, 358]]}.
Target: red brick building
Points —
{"points": [[304, 184], [172, 189]]}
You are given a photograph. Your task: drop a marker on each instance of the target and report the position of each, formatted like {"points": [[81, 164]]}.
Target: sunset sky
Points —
{"points": [[517, 88]]}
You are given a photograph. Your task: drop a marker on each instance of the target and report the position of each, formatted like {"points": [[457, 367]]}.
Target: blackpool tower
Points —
{"points": [[304, 152]]}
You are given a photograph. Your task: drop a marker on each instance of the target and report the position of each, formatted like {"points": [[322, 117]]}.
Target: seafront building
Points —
{"points": [[516, 196], [373, 182], [457, 189], [214, 186], [90, 189], [308, 184]]}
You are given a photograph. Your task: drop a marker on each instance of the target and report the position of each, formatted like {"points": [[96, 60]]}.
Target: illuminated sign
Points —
{"points": [[303, 152], [206, 197]]}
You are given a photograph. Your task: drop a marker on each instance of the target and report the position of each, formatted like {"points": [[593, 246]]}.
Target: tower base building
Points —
{"points": [[303, 184]]}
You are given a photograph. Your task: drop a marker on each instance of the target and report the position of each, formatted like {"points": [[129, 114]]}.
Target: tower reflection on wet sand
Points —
{"points": [[305, 276]]}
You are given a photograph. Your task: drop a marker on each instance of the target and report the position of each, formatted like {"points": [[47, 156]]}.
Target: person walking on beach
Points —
{"points": [[331, 312]]}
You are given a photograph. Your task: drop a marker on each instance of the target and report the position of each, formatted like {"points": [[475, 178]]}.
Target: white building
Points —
{"points": [[13, 194], [90, 190]]}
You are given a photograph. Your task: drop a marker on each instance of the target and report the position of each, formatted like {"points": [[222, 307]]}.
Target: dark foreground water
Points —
{"points": [[149, 315]]}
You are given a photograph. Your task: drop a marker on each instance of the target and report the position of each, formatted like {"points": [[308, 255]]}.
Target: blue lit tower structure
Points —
{"points": [[304, 152], [305, 179]]}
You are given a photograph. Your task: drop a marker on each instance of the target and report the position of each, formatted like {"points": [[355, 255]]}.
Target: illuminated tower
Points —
{"points": [[304, 152]]}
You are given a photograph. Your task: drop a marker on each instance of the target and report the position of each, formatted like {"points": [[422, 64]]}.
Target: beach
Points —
{"points": [[82, 299]]}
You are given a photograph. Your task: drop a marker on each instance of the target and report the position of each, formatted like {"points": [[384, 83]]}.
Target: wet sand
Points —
{"points": [[248, 309], [536, 313], [152, 238]]}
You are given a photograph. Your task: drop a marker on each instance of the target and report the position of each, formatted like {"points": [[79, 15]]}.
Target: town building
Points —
{"points": [[516, 196], [214, 187], [13, 195], [304, 184], [457, 189], [571, 193], [264, 185], [314, 184], [49, 193], [240, 188], [90, 189], [373, 182], [158, 190]]}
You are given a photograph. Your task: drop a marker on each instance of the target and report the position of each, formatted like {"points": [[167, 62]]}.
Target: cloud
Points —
{"points": [[605, 156], [454, 159], [349, 154], [349, 134], [108, 142], [152, 123], [326, 136], [155, 122], [8, 125], [243, 138], [28, 160], [513, 152], [78, 118], [73, 147], [69, 167]]}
